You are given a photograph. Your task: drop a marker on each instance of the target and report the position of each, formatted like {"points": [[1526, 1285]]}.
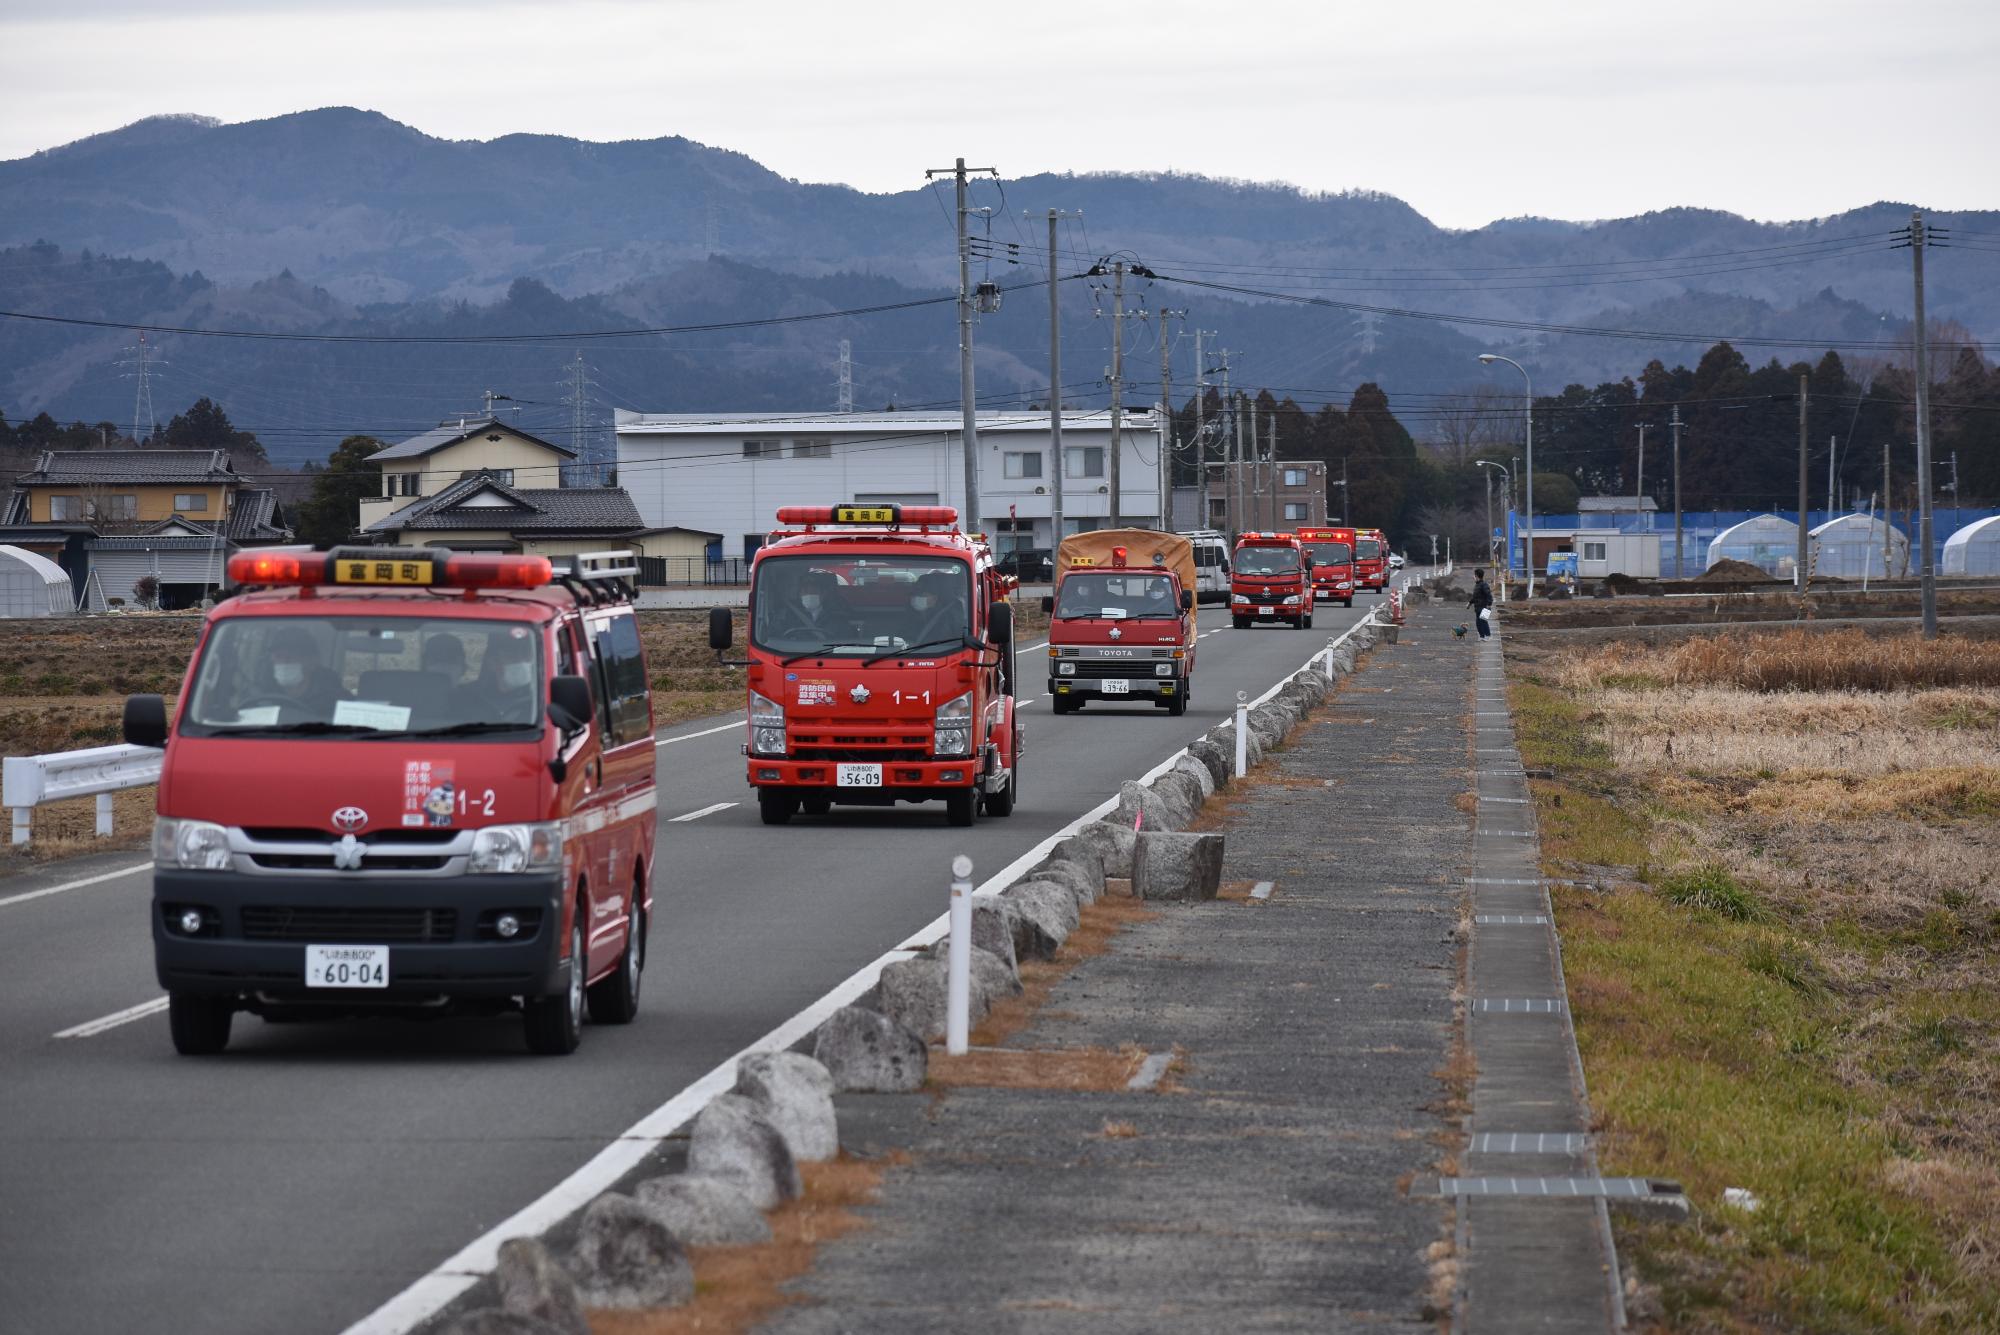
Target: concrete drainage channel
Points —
{"points": [[615, 1235]]}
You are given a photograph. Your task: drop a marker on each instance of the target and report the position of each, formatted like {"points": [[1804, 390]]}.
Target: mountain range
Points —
{"points": [[341, 221]]}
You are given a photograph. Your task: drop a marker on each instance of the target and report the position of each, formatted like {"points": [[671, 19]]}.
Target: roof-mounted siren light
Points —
{"points": [[1118, 557], [621, 564], [986, 297]]}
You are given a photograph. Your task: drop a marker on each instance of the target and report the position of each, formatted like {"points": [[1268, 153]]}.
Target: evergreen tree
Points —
{"points": [[333, 511], [206, 427]]}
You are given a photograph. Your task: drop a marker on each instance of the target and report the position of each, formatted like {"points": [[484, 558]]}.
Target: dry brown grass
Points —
{"points": [[69, 829], [1073, 1070], [737, 1287], [1796, 660]]}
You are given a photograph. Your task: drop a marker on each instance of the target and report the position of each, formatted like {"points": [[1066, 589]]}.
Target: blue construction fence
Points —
{"points": [[1701, 527]]}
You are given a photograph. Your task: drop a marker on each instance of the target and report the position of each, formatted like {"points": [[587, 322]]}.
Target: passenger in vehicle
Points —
{"points": [[444, 655], [300, 675], [1159, 600], [939, 607], [505, 691]]}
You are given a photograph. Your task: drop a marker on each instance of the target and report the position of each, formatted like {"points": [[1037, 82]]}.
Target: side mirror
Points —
{"points": [[1048, 604], [570, 705], [1187, 600], [1000, 625], [721, 629], [145, 720]]}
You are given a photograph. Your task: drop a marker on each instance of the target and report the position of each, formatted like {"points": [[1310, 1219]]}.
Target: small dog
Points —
{"points": [[1458, 632]]}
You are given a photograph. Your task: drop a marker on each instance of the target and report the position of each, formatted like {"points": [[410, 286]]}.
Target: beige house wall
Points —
{"points": [[155, 501]]}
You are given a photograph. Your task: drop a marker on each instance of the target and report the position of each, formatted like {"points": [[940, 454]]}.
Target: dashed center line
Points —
{"points": [[709, 810]]}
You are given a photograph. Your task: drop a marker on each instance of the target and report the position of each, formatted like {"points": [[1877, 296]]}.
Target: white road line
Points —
{"points": [[474, 1261], [690, 736], [113, 1020], [705, 811], [46, 890]]}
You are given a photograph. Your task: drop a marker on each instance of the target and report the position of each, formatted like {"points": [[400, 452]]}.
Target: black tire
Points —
{"points": [[1002, 802], [961, 806], [615, 1000], [815, 806], [774, 806], [1241, 623], [1306, 624], [1347, 602], [1177, 703], [555, 1024], [1065, 704], [199, 1025]]}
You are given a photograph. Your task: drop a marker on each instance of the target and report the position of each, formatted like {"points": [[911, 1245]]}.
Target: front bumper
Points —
{"points": [[899, 777], [1271, 611], [263, 924]]}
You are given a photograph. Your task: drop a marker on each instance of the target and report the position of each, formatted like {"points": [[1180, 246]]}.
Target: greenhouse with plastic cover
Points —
{"points": [[1974, 549], [1851, 546], [1766, 541], [33, 586]]}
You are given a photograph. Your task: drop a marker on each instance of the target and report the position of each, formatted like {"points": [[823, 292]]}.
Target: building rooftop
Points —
{"points": [[57, 468], [884, 423], [451, 433], [484, 502]]}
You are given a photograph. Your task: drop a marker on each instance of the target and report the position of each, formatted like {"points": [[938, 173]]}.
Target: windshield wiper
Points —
{"points": [[956, 642], [1155, 616], [462, 729], [314, 728]]}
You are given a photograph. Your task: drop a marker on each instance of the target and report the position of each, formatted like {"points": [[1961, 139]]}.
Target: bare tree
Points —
{"points": [[1475, 417]]}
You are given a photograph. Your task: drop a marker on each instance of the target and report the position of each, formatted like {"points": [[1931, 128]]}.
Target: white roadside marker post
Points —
{"points": [[958, 969], [1242, 727], [104, 815], [1329, 658]]}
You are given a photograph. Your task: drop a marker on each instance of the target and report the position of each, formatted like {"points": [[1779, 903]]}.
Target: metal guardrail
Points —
{"points": [[27, 782]]}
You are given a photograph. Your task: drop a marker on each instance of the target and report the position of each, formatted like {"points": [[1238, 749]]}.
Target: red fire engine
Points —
{"points": [[1269, 580], [881, 665], [1331, 551]]}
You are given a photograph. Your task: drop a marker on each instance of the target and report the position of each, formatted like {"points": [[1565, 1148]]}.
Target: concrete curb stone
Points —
{"points": [[1063, 872], [796, 1094], [1177, 866], [1212, 757], [1113, 844], [626, 1259], [1045, 914], [1197, 771], [702, 1211], [1183, 793], [993, 931], [537, 1296], [868, 1052], [1138, 799], [734, 1140]]}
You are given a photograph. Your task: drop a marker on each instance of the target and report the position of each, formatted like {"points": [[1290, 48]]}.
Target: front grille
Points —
{"points": [[273, 834], [1115, 668], [361, 926], [860, 748], [373, 862]]}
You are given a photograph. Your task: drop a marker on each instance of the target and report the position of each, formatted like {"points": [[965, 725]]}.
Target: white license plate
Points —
{"points": [[857, 776], [347, 966], [1113, 686], [1267, 611]]}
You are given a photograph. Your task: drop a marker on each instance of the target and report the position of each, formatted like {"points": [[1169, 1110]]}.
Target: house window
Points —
{"points": [[121, 507], [1593, 551], [1295, 477], [190, 502], [1295, 510], [1083, 461], [400, 484], [504, 476], [812, 449], [1024, 465], [763, 449], [65, 507]]}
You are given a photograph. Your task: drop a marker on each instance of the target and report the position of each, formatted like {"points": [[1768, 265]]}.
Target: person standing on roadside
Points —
{"points": [[1481, 601]]}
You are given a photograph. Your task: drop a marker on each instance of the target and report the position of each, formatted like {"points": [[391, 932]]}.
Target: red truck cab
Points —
{"points": [[1122, 620], [881, 661], [1331, 551], [1270, 580], [1371, 559], [406, 781]]}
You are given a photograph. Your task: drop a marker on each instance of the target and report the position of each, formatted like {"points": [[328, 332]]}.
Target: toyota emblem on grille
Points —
{"points": [[349, 818]]}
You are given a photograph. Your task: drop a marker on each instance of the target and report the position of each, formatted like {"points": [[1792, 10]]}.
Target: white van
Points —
{"points": [[1211, 565]]}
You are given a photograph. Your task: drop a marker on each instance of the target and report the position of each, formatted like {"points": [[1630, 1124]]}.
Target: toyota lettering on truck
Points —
{"points": [[881, 665], [477, 830], [1122, 620], [1331, 551], [1270, 580]]}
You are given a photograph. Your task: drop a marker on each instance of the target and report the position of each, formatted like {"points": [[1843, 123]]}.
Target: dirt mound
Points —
{"points": [[1737, 571]]}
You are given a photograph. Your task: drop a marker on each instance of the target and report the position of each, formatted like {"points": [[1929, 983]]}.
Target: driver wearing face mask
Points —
{"points": [[505, 691], [298, 674], [939, 605]]}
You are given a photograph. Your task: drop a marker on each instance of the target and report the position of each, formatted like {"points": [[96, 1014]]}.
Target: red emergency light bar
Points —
{"points": [[879, 516], [1118, 558], [363, 567]]}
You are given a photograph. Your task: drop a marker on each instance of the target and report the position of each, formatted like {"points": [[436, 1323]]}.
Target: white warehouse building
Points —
{"points": [[729, 472]]}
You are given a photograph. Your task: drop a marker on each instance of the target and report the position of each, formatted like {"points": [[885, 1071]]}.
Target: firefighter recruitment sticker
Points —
{"points": [[429, 793]]}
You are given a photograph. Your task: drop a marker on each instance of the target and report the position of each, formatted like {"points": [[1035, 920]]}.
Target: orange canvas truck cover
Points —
{"points": [[1093, 551]]}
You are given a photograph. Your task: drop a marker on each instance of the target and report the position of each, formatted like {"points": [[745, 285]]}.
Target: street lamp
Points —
{"points": [[1342, 484], [1507, 482], [1488, 358]]}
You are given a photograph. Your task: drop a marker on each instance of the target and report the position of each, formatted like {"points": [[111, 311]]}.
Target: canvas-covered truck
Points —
{"points": [[1121, 621], [881, 661], [1270, 580], [1331, 551]]}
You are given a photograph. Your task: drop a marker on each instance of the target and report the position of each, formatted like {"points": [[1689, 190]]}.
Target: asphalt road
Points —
{"points": [[315, 1170]]}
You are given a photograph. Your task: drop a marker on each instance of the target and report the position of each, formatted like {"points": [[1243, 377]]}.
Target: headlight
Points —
{"points": [[191, 845], [1291, 600], [1239, 597], [1345, 584], [1065, 669], [767, 726], [516, 848], [1163, 669], [953, 736]]}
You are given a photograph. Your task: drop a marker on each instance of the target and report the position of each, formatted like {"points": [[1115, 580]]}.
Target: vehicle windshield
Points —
{"points": [[1368, 549], [836, 604], [1116, 595], [368, 676], [1266, 560], [1329, 553]]}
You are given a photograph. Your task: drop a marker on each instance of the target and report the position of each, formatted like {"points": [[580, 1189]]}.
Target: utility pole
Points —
{"points": [[1055, 389], [1236, 470], [1345, 508], [1888, 509], [1799, 575], [1832, 453], [1675, 427], [968, 399], [1927, 571], [1486, 476], [1228, 406], [1167, 427], [1117, 388], [1201, 423], [1639, 485], [1277, 506]]}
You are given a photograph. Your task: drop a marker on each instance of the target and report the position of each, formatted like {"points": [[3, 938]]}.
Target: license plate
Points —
{"points": [[1114, 686], [857, 776], [347, 966], [1267, 611]]}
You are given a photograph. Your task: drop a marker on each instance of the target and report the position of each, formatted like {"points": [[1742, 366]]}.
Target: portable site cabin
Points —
{"points": [[1850, 547], [1973, 550], [33, 586], [1766, 541]]}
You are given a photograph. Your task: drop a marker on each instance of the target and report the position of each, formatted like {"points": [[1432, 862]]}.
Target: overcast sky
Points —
{"points": [[1469, 111]]}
